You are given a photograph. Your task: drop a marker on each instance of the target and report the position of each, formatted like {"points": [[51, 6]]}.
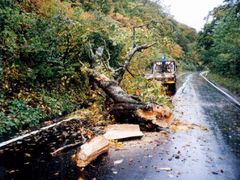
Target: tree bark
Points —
{"points": [[126, 106]]}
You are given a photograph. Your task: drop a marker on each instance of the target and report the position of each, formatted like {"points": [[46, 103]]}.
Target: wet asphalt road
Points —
{"points": [[185, 154], [194, 154]]}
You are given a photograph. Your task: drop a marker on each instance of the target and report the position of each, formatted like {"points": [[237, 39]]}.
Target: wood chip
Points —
{"points": [[118, 162], [122, 131], [164, 169]]}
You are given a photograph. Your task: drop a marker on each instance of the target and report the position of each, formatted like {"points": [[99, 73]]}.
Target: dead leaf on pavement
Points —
{"points": [[179, 126]]}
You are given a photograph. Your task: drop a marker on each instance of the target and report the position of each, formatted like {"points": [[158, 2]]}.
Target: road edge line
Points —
{"points": [[219, 89], [4, 143]]}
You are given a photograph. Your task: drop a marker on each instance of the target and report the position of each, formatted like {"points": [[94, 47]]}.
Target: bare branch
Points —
{"points": [[91, 55], [130, 72], [69, 146], [98, 56], [120, 73], [106, 63], [109, 56]]}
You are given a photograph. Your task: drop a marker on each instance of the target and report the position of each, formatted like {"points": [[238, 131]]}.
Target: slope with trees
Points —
{"points": [[46, 46]]}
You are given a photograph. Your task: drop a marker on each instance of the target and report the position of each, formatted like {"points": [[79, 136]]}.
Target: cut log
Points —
{"points": [[122, 131], [126, 106], [91, 150]]}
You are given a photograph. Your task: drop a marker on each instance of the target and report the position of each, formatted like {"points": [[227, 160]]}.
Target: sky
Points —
{"points": [[191, 12]]}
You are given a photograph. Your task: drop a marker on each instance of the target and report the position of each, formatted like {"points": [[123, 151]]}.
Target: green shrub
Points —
{"points": [[58, 103], [24, 115], [19, 116], [6, 124], [188, 66]]}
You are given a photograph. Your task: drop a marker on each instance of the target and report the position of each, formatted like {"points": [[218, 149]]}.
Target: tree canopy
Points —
{"points": [[219, 42]]}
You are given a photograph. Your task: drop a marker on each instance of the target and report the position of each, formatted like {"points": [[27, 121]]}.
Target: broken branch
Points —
{"points": [[106, 62], [64, 148], [130, 72], [120, 73]]}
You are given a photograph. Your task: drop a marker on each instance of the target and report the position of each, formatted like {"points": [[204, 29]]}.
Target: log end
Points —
{"points": [[91, 150], [161, 116]]}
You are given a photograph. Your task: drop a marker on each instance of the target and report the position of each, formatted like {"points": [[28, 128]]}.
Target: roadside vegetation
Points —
{"points": [[45, 45], [231, 83], [189, 66], [219, 45]]}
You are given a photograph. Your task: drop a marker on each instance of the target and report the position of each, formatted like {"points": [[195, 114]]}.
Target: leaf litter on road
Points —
{"points": [[181, 126]]}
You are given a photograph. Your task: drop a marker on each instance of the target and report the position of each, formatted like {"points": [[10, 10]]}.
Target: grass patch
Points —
{"points": [[230, 83]]}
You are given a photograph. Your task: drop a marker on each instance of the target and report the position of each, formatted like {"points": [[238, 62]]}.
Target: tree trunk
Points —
{"points": [[130, 107]]}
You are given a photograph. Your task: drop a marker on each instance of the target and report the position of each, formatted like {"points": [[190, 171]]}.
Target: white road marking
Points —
{"points": [[181, 89], [223, 92], [31, 133]]}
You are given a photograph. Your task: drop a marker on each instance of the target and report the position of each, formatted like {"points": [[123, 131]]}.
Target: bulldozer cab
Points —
{"points": [[164, 67], [165, 72]]}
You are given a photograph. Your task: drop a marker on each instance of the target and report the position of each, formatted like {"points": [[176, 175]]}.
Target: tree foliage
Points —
{"points": [[219, 42]]}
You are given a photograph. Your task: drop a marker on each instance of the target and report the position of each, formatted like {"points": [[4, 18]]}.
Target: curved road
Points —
{"points": [[207, 151]]}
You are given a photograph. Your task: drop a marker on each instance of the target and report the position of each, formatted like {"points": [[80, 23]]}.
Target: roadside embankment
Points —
{"points": [[230, 83]]}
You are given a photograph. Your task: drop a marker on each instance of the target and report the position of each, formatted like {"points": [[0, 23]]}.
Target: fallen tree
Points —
{"points": [[131, 107], [123, 105]]}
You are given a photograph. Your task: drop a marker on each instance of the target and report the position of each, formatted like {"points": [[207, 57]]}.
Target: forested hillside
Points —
{"points": [[46, 46], [219, 44]]}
